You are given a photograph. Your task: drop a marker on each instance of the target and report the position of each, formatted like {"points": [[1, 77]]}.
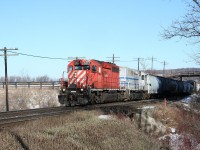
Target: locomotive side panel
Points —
{"points": [[110, 75], [129, 78], [94, 77]]}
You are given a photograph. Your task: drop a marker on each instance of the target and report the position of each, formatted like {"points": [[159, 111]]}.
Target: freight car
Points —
{"points": [[143, 86], [93, 81]]}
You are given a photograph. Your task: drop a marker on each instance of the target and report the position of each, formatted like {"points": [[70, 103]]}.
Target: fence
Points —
{"points": [[52, 85]]}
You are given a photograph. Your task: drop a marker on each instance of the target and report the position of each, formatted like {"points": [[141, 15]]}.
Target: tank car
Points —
{"points": [[165, 87]]}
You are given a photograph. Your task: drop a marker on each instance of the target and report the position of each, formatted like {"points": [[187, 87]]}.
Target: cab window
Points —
{"points": [[94, 68], [142, 77], [86, 67], [78, 67], [70, 68]]}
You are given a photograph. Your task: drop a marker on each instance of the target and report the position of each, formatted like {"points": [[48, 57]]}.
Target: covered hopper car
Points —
{"points": [[94, 81]]}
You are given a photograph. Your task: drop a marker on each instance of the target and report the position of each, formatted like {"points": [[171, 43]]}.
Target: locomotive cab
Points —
{"points": [[80, 73]]}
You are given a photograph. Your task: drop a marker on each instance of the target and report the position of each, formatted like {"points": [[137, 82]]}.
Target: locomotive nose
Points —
{"points": [[78, 78], [75, 75]]}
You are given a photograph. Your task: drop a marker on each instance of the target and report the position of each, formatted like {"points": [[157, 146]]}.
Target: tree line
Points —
{"points": [[188, 27], [27, 78]]}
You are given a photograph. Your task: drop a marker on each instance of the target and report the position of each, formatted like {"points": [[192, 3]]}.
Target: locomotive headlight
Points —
{"points": [[82, 90], [64, 90]]}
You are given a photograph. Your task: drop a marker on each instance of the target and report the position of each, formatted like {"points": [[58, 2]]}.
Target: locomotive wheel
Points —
{"points": [[97, 99], [92, 99], [146, 96], [67, 104]]}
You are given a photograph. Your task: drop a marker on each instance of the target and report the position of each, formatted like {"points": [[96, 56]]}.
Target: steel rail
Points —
{"points": [[14, 117]]}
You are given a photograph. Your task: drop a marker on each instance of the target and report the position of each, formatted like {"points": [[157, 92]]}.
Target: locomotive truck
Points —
{"points": [[94, 81]]}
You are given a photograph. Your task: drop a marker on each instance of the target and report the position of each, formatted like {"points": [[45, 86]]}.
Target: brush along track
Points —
{"points": [[13, 117]]}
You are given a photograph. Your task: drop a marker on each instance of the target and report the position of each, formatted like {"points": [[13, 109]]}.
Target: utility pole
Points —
{"points": [[6, 73], [164, 65], [138, 60], [152, 62], [113, 58]]}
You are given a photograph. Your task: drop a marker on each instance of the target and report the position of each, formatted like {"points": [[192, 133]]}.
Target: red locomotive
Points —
{"points": [[89, 81]]}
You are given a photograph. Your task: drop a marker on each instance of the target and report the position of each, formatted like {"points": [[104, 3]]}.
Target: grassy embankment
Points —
{"points": [[79, 130], [25, 98]]}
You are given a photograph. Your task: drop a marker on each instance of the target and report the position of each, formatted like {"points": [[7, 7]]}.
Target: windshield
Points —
{"points": [[78, 67], [86, 67], [82, 67]]}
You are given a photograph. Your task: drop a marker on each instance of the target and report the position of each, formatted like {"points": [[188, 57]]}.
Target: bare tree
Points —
{"points": [[44, 78], [27, 78], [144, 65], [188, 27]]}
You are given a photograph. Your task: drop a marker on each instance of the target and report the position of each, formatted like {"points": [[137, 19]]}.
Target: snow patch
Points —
{"points": [[177, 141], [189, 99], [105, 117], [173, 130], [148, 107]]}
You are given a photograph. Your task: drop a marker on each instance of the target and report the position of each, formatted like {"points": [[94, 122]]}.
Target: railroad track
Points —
{"points": [[13, 117]]}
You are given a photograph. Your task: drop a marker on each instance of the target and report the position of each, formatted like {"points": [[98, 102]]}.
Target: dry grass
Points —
{"points": [[189, 122], [196, 104], [186, 123], [8, 141], [176, 116], [24, 98], [82, 130], [168, 116]]}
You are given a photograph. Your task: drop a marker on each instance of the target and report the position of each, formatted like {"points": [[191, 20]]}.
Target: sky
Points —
{"points": [[94, 29]]}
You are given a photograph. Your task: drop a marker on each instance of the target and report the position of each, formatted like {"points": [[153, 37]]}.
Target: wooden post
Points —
{"points": [[41, 85], [16, 85], [52, 85]]}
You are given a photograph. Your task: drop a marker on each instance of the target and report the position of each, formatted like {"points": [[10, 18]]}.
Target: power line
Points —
{"points": [[127, 60], [37, 56]]}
